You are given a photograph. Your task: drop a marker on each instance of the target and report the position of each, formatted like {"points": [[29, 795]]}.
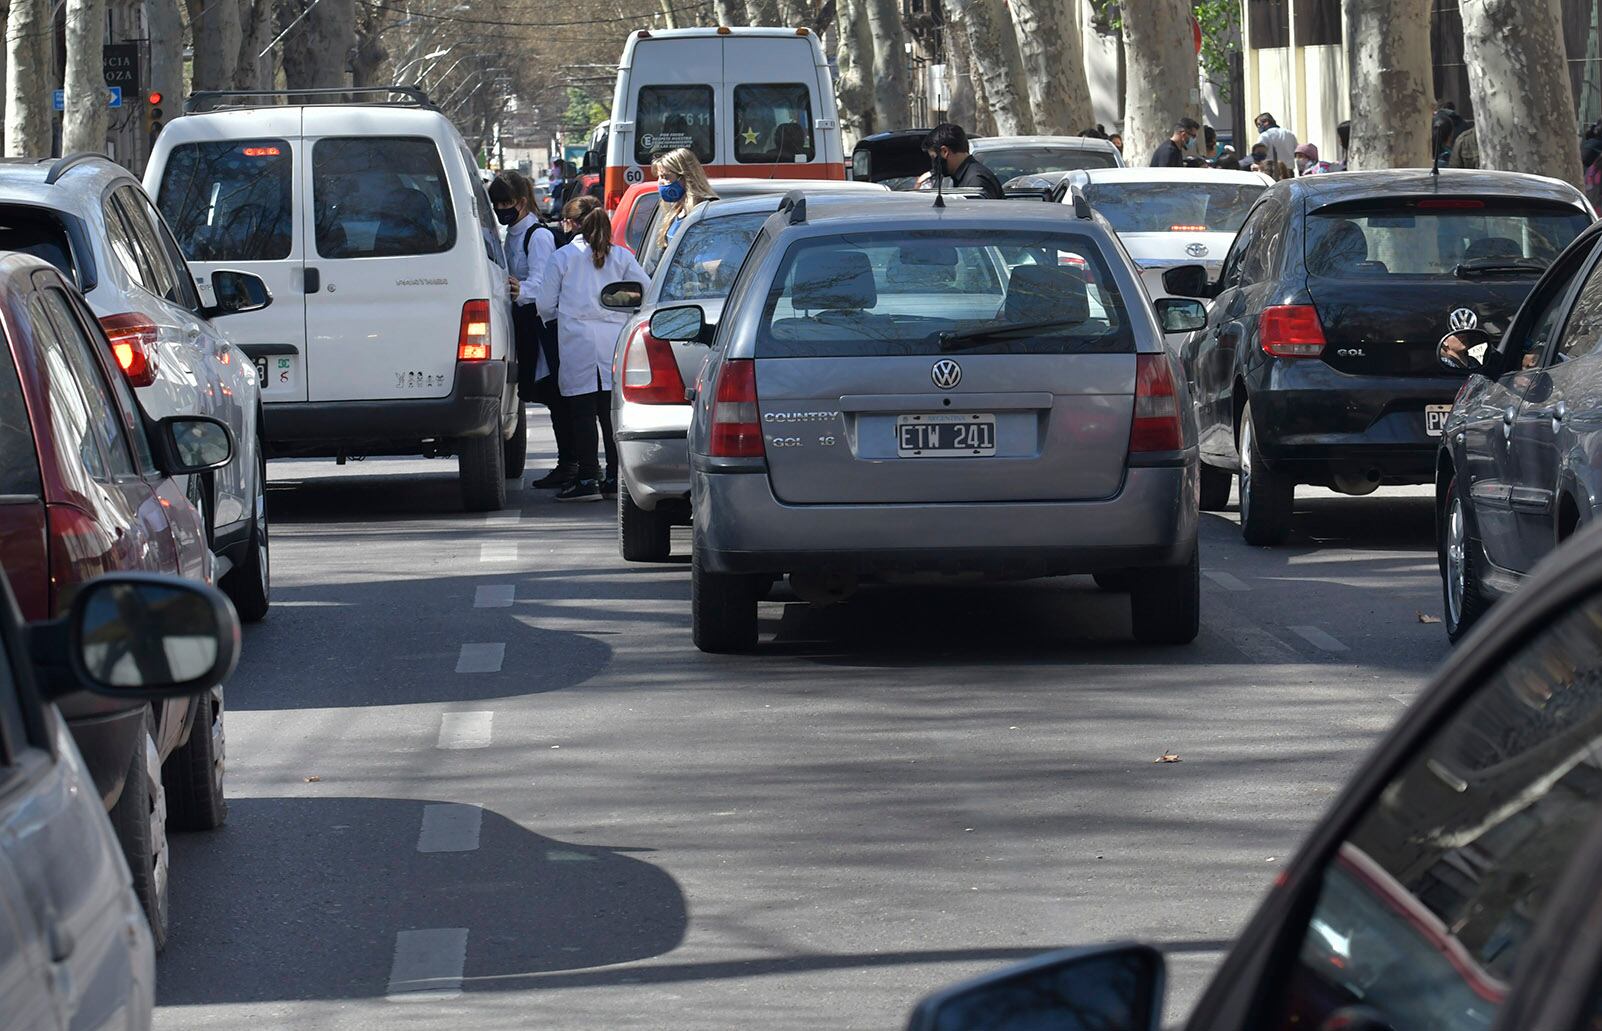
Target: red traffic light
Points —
{"points": [[154, 97]]}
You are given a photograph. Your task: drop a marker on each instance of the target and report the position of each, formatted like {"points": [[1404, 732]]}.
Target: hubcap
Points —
{"points": [[160, 860], [1245, 471], [1456, 554]]}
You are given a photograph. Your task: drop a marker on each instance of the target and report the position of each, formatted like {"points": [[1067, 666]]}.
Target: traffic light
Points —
{"points": [[153, 117]]}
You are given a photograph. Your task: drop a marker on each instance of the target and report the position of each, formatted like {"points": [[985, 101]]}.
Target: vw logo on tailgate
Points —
{"points": [[1463, 318], [946, 374]]}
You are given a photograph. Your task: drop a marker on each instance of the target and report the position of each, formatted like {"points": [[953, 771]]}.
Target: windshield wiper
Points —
{"points": [[1499, 266], [958, 341]]}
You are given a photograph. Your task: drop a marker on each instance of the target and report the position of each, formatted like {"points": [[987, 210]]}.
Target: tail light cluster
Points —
{"points": [[133, 343], [736, 423], [473, 341], [1156, 426], [650, 372], [1291, 331]]}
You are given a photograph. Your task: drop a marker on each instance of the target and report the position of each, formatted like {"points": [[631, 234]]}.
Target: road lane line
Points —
{"points": [[1259, 645], [505, 518], [1318, 638], [450, 827], [497, 552], [465, 729], [494, 596], [481, 658], [428, 964], [1226, 581]]}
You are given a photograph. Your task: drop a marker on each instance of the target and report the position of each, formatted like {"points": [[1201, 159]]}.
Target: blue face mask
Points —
{"points": [[671, 192]]}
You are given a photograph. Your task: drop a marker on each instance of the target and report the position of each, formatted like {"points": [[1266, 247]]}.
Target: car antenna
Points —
{"points": [[938, 172]]}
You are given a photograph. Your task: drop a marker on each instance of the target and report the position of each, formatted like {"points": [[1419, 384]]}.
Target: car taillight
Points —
{"points": [[736, 426], [1291, 331], [650, 372], [473, 342], [1156, 426], [133, 342]]}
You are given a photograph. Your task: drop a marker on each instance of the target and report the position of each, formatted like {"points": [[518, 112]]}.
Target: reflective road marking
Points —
{"points": [[1227, 582], [465, 729], [497, 552], [450, 827], [494, 596], [481, 658], [428, 964], [1318, 638]]}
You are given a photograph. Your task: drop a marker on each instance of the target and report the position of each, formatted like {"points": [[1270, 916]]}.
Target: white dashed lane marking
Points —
{"points": [[494, 596], [1259, 645], [1318, 638], [428, 964], [503, 518], [1226, 581], [481, 658], [450, 827], [497, 553], [465, 729]]}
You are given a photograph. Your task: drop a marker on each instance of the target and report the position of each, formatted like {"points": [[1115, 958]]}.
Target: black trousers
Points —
{"points": [[591, 412], [533, 336]]}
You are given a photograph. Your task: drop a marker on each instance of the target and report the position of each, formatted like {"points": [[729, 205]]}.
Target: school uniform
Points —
{"points": [[529, 246]]}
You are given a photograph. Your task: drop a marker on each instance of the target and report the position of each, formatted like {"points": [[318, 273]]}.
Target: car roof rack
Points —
{"points": [[1081, 202], [795, 202], [213, 100], [65, 164]]}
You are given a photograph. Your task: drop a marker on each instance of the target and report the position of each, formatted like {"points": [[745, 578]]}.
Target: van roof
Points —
{"points": [[647, 35], [285, 121]]}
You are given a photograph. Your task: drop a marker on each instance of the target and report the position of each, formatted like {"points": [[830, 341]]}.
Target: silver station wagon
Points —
{"points": [[897, 392]]}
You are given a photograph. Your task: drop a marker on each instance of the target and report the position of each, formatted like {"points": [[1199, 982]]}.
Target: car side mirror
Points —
{"points": [[237, 293], [1106, 988], [189, 444], [1469, 350], [1188, 281], [138, 635], [685, 322], [1181, 314], [625, 296]]}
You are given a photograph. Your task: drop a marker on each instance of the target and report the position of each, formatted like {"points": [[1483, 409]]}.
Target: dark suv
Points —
{"points": [[1318, 361]]}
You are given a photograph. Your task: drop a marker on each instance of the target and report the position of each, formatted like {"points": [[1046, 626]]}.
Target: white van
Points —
{"points": [[749, 102], [390, 327]]}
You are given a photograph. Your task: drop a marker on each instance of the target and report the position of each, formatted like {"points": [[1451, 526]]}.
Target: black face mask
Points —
{"points": [[506, 216]]}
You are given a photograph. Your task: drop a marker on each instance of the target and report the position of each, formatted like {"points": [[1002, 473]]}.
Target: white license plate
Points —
{"points": [[1435, 418], [946, 435]]}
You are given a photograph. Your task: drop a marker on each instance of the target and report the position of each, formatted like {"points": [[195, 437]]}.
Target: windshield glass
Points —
{"points": [[1174, 206], [35, 232], [1432, 237], [902, 293], [709, 255], [1011, 162], [230, 201]]}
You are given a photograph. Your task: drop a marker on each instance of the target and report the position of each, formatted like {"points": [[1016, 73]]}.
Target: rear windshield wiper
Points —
{"points": [[961, 340], [1499, 267]]}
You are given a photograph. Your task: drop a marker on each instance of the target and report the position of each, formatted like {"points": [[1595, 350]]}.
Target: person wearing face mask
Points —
{"points": [[1307, 162], [683, 186], [529, 246], [1171, 154]]}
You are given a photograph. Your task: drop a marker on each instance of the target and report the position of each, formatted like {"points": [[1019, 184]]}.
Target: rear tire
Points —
{"points": [[481, 465], [516, 449], [642, 536], [249, 585], [1215, 485], [1165, 604], [140, 820], [1267, 499], [723, 609], [193, 775], [1462, 590]]}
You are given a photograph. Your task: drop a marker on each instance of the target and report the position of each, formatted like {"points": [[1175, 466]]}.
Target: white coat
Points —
{"points": [[526, 259], [586, 333]]}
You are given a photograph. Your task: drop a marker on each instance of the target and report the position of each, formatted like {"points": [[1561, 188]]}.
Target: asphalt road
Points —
{"points": [[480, 778]]}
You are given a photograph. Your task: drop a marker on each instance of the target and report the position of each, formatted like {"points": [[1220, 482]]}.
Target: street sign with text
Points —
{"points": [[121, 65]]}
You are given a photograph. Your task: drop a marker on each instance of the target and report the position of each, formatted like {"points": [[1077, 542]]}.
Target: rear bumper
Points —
{"points": [[472, 409], [743, 528], [107, 742]]}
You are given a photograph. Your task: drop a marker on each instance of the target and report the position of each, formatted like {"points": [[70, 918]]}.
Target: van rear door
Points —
{"points": [[386, 279]]}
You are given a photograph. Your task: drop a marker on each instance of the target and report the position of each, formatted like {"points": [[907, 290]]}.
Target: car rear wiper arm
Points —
{"points": [[957, 341], [1498, 266]]}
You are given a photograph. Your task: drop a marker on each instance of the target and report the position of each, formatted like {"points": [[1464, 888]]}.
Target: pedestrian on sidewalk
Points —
{"points": [[682, 184], [1307, 162], [587, 332], [1171, 153], [1280, 142], [529, 246]]}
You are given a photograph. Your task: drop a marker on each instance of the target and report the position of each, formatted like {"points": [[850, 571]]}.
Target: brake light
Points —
{"points": [[473, 342], [1291, 331], [1187, 229], [1451, 203], [1156, 426], [736, 426], [650, 372], [133, 342]]}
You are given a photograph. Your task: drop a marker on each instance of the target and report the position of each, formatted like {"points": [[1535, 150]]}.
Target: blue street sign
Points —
{"points": [[59, 99], [113, 98]]}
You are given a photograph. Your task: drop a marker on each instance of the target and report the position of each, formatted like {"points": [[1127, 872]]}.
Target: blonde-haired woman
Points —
{"points": [[682, 183], [586, 334]]}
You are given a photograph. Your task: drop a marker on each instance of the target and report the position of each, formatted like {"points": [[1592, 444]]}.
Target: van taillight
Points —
{"points": [[1156, 426], [133, 342], [650, 372], [1291, 331], [473, 342], [736, 425]]}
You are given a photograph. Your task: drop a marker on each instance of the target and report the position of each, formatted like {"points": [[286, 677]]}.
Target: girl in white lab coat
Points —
{"points": [[586, 335]]}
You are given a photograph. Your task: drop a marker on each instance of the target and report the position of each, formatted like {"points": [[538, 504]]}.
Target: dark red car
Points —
{"points": [[88, 486]]}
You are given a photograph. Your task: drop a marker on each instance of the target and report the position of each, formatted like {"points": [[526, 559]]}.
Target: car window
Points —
{"points": [[1436, 237], [1233, 274], [488, 227], [183, 278], [39, 233], [908, 292], [705, 262], [19, 462], [773, 123], [380, 197], [1010, 162], [161, 276], [1178, 207], [120, 241], [72, 310], [1579, 336], [230, 201], [645, 206], [1424, 914], [669, 117], [82, 416], [13, 725]]}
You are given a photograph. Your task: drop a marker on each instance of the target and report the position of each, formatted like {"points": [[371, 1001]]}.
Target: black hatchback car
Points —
{"points": [[1318, 361]]}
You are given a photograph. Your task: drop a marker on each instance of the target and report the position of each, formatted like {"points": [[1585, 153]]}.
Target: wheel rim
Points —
{"points": [[1456, 556], [1245, 472], [219, 740], [159, 858]]}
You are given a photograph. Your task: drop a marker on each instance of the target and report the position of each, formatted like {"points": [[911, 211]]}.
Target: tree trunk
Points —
{"points": [[216, 31], [763, 12], [854, 57], [729, 12], [83, 119], [317, 51], [890, 93], [253, 70], [1519, 84], [1391, 83], [993, 50], [1054, 63], [165, 26], [795, 14], [29, 79], [1163, 81], [964, 110]]}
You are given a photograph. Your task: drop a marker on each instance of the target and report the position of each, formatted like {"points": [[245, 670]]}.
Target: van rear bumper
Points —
{"points": [[398, 426]]}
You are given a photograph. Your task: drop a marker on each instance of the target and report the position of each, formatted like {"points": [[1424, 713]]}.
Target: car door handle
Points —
{"points": [[60, 941], [312, 280], [1557, 412], [1509, 415]]}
